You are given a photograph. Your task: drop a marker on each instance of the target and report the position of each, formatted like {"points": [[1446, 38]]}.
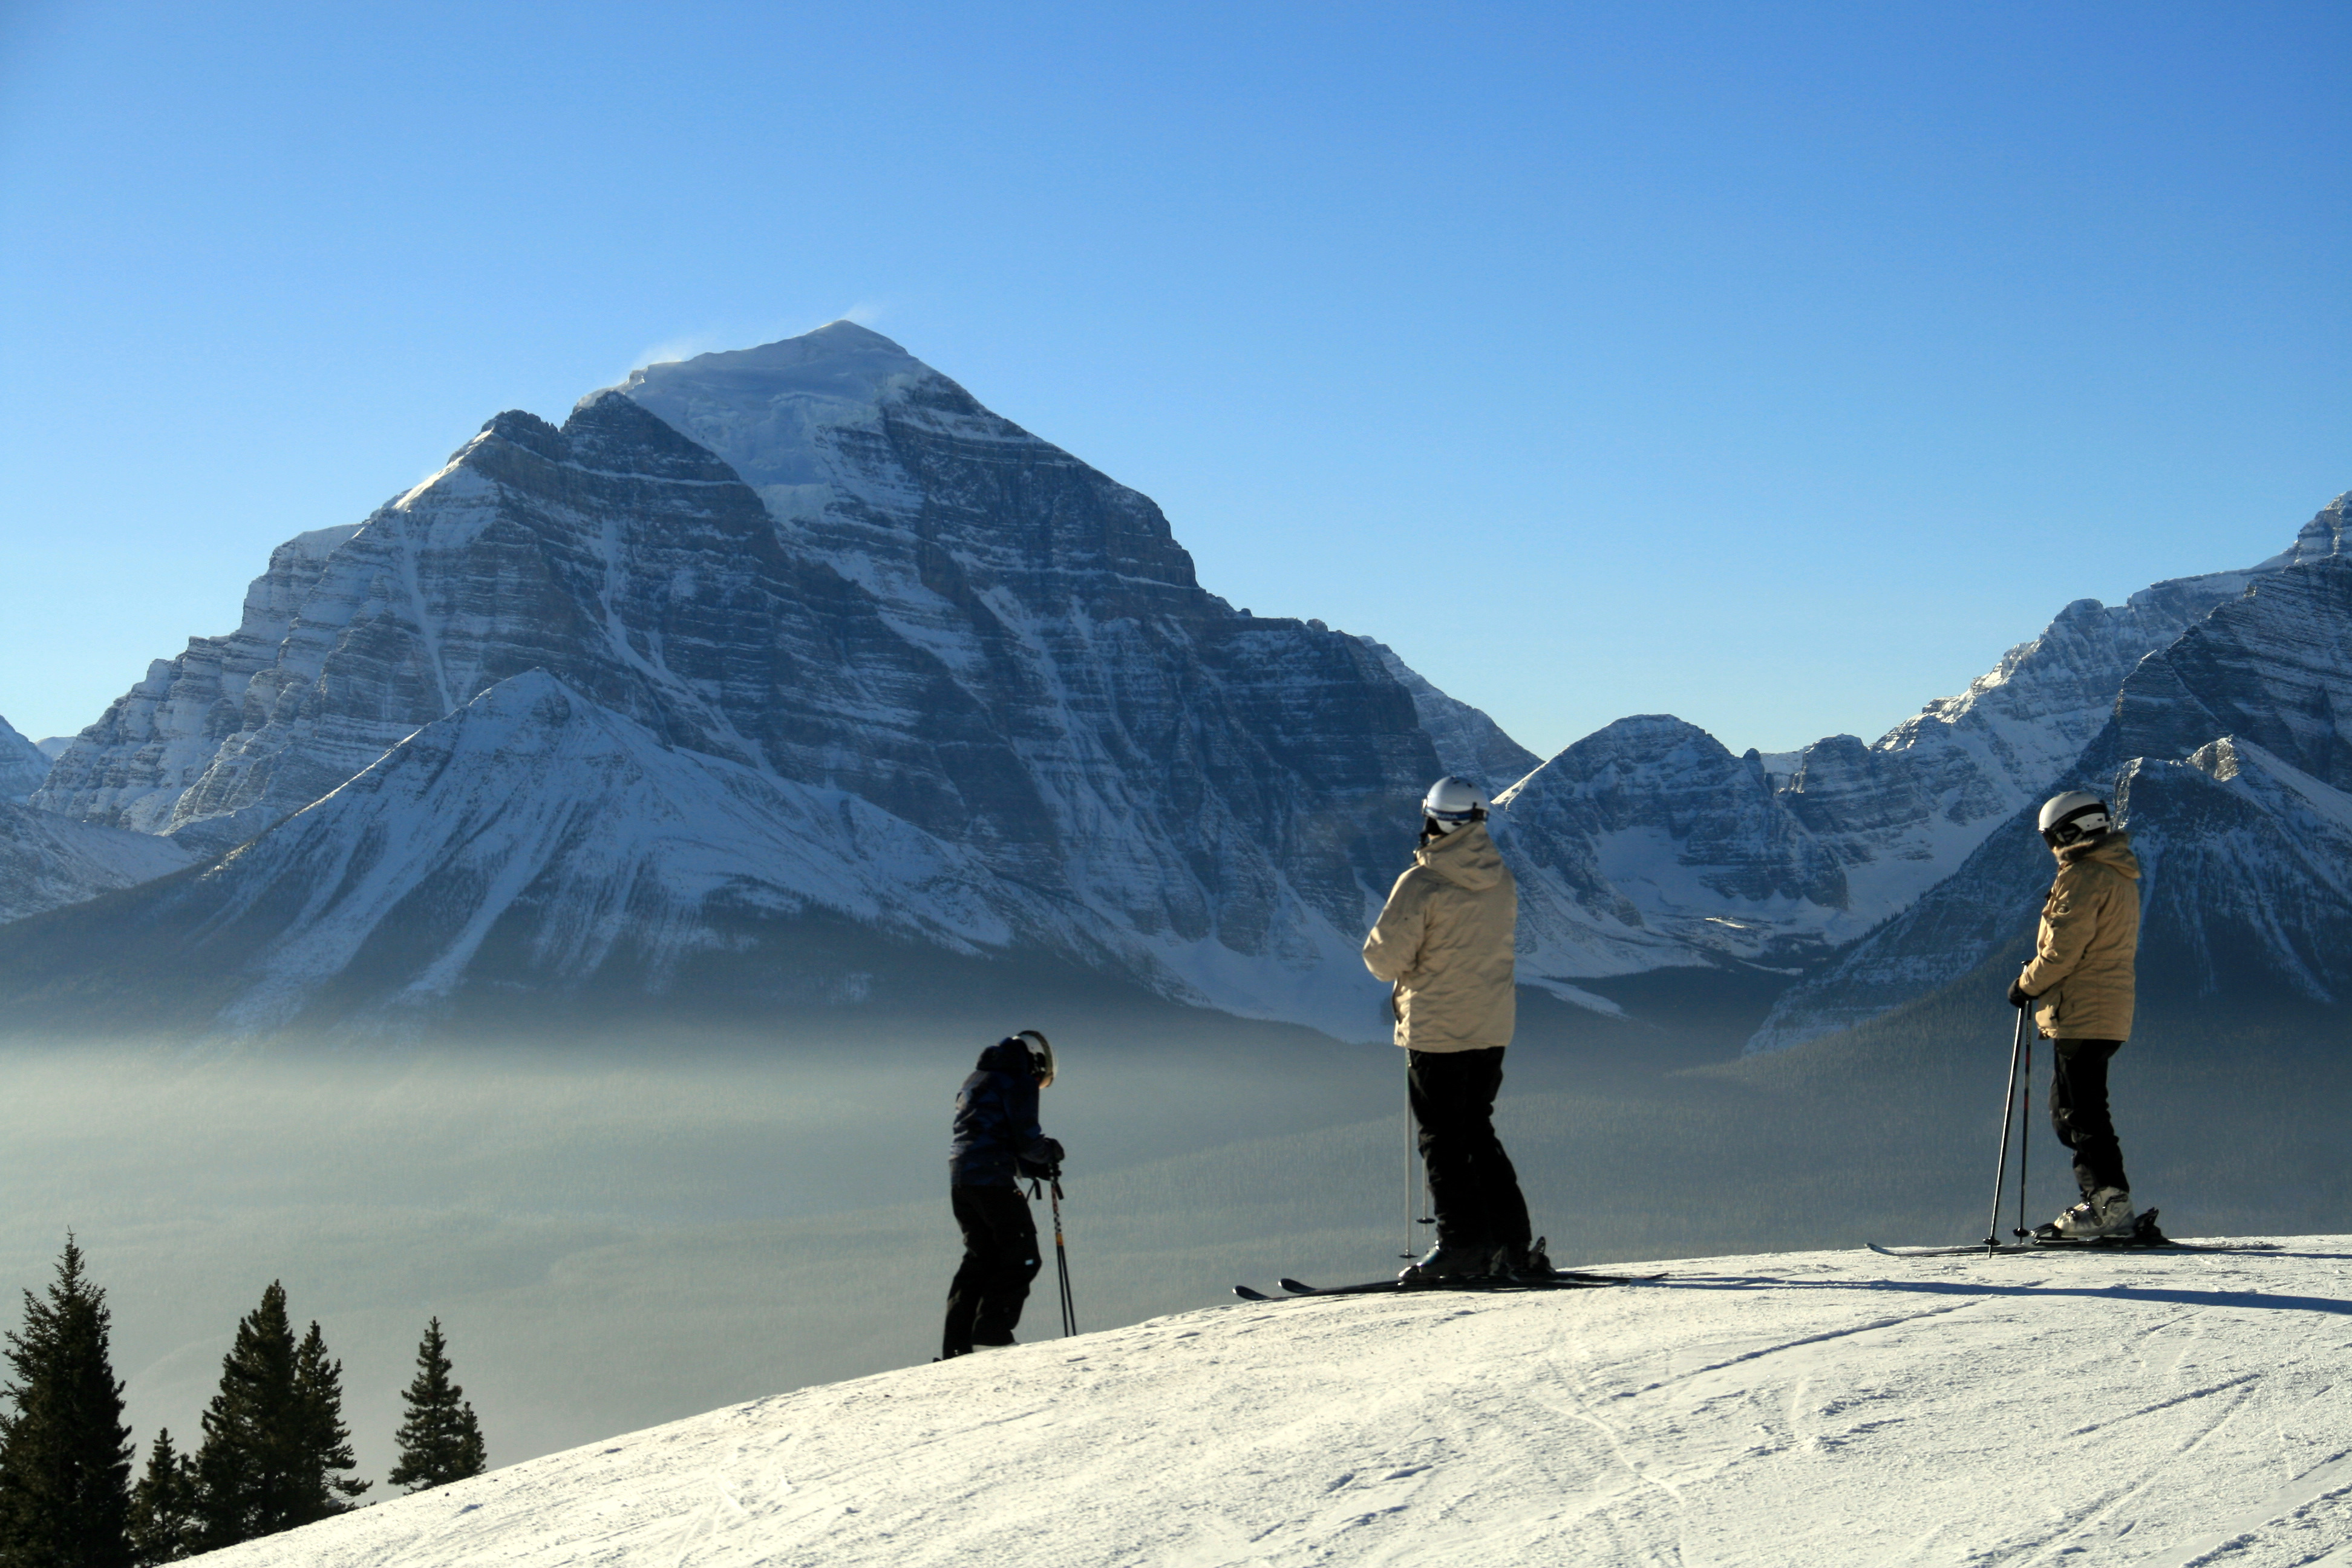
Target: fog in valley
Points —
{"points": [[619, 1232]]}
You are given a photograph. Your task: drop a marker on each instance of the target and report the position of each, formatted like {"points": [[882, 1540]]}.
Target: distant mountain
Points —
{"points": [[805, 641], [974, 682], [23, 765], [2220, 747], [1649, 844]]}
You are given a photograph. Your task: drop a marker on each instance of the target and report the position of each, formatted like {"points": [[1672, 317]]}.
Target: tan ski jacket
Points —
{"points": [[2083, 961], [1445, 941]]}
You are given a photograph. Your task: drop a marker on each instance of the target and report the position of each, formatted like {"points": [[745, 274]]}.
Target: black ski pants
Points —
{"points": [[1000, 1258], [2078, 1109], [1471, 1183]]}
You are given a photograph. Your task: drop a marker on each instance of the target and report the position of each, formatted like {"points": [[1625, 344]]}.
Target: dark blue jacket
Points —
{"points": [[996, 1122]]}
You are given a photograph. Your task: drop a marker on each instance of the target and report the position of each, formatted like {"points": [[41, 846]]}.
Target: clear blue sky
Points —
{"points": [[1776, 366]]}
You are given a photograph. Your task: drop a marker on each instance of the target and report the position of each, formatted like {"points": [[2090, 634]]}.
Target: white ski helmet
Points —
{"points": [[2070, 817], [1454, 802], [1041, 1054]]}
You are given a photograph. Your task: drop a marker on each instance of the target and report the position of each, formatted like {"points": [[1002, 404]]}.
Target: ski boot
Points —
{"points": [[1528, 1262], [1450, 1262], [2104, 1214]]}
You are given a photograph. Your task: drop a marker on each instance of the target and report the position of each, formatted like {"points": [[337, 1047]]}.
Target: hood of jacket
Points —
{"points": [[1467, 859], [2111, 849], [1008, 1057]]}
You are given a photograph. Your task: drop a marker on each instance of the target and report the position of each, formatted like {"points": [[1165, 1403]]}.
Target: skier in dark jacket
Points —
{"points": [[997, 1142]]}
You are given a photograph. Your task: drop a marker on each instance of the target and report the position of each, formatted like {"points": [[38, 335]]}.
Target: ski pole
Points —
{"points": [[1062, 1261], [1409, 1255], [2025, 1113], [2007, 1115]]}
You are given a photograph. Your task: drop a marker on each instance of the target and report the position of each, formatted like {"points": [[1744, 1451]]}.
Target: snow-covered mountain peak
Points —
{"points": [[765, 409], [905, 484]]}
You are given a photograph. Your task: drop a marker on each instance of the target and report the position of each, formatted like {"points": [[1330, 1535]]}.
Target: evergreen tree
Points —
{"points": [[162, 1506], [326, 1441], [65, 1454], [249, 1468], [440, 1441]]}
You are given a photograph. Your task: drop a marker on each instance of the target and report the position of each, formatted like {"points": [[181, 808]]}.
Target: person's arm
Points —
{"points": [[2068, 922], [1029, 1140], [1393, 948]]}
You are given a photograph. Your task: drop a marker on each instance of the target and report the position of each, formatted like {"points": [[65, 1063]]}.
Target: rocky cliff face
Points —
{"points": [[823, 565], [23, 765], [1469, 745], [132, 768]]}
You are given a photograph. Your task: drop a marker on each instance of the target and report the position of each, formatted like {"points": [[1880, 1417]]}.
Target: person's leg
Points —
{"points": [[971, 1279], [2078, 1110], [1498, 1179], [1013, 1264], [1473, 1188], [1445, 1112]]}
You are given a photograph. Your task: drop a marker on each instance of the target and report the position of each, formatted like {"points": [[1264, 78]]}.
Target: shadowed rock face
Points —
{"points": [[915, 607], [23, 765], [2249, 869], [46, 860], [2272, 667]]}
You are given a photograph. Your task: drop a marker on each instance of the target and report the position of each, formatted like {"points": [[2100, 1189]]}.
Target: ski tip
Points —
{"points": [[1298, 1286], [1246, 1294]]}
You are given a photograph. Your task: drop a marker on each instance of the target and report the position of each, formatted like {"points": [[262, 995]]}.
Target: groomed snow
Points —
{"points": [[1829, 1407]]}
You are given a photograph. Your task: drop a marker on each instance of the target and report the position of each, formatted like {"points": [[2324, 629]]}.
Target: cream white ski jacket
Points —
{"points": [[1445, 941]]}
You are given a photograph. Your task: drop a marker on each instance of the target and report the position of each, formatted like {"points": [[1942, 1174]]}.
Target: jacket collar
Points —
{"points": [[2111, 849], [1466, 857]]}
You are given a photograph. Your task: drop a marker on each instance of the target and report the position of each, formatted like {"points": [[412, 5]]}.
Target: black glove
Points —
{"points": [[2019, 997], [1045, 1163]]}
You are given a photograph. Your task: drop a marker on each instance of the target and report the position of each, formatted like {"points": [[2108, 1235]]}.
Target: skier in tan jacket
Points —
{"points": [[1445, 943], [2081, 977]]}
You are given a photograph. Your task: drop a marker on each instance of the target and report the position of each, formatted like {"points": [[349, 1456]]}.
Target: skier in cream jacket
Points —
{"points": [[1445, 943], [2081, 984]]}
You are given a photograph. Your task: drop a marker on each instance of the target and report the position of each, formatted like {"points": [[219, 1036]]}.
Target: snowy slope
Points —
{"points": [[23, 765], [537, 842], [47, 860], [1836, 1408]]}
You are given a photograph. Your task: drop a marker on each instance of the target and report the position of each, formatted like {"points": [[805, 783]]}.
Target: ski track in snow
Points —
{"points": [[1832, 1408]]}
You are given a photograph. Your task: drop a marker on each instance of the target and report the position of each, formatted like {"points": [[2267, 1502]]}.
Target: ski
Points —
{"points": [[1560, 1280], [2145, 1237], [1566, 1279]]}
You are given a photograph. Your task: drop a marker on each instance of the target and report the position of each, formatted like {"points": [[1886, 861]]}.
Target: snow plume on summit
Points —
{"points": [[824, 564]]}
